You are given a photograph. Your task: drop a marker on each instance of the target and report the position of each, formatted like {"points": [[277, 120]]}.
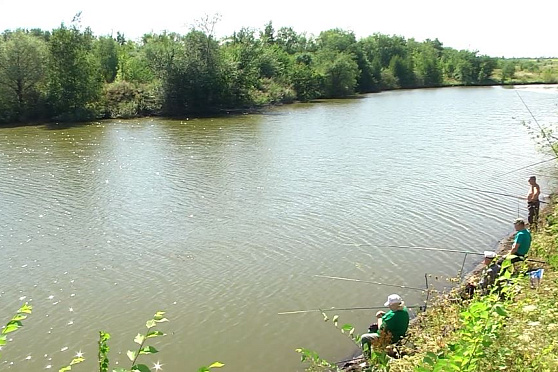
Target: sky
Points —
{"points": [[494, 27]]}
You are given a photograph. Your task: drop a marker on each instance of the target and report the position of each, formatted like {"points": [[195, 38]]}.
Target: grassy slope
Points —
{"points": [[525, 338]]}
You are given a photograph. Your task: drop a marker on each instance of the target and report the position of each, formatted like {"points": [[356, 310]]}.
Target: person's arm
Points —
{"points": [[517, 243], [379, 316], [536, 192], [515, 247]]}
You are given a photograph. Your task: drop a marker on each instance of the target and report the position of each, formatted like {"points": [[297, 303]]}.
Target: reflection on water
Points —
{"points": [[225, 222]]}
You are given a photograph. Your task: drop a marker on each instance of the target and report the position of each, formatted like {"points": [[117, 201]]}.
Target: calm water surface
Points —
{"points": [[224, 222]]}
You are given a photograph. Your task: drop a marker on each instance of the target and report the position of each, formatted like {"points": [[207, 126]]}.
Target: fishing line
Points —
{"points": [[368, 281], [540, 127], [418, 247], [527, 166], [344, 309]]}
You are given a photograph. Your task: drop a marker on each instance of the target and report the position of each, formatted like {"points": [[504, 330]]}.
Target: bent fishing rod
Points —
{"points": [[436, 249], [527, 166], [343, 309], [487, 192], [419, 248], [369, 281], [540, 127]]}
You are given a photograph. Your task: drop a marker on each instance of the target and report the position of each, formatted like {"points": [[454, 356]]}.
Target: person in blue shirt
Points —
{"points": [[521, 242]]}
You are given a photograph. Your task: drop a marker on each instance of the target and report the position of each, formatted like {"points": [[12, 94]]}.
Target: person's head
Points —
{"points": [[394, 302], [519, 224], [532, 180], [488, 257]]}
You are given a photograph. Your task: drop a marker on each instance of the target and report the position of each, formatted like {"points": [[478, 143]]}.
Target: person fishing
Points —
{"points": [[395, 322], [522, 241], [533, 202], [487, 277]]}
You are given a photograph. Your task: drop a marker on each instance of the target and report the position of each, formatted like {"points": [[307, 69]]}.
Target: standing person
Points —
{"points": [[533, 202], [395, 321], [521, 242]]}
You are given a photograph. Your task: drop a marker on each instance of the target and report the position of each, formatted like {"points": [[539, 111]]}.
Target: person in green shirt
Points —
{"points": [[395, 321], [522, 241]]}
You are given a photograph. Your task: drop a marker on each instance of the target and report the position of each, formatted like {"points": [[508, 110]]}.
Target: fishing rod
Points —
{"points": [[368, 281], [527, 166], [343, 309], [486, 192], [419, 248], [540, 127]]}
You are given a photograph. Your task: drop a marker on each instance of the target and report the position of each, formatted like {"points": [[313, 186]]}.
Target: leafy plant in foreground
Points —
{"points": [[15, 323], [141, 339]]}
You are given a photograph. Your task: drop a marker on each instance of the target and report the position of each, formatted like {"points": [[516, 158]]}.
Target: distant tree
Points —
{"points": [[304, 78], [292, 42], [106, 49], [426, 65], [336, 39], [402, 70], [74, 79], [508, 70], [268, 34], [22, 62], [242, 56], [340, 73]]}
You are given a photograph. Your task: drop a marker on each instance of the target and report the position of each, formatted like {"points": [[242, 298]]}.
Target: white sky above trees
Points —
{"points": [[495, 27]]}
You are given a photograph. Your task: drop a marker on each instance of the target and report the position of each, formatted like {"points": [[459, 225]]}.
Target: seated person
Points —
{"points": [[521, 242], [395, 322], [487, 276]]}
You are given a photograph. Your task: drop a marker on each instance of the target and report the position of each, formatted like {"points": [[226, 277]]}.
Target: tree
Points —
{"points": [[304, 78], [426, 68], [106, 49], [340, 74], [336, 39], [22, 60], [292, 42], [402, 70], [74, 81], [508, 70]]}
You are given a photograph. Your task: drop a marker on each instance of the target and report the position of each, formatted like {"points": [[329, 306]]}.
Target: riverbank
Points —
{"points": [[246, 110], [475, 334]]}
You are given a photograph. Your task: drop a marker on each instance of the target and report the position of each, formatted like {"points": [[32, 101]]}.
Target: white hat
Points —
{"points": [[489, 254], [393, 299]]}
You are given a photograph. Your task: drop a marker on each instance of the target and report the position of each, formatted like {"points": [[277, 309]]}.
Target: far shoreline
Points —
{"points": [[254, 110]]}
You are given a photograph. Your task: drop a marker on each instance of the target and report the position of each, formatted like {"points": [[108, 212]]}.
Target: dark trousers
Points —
{"points": [[533, 207]]}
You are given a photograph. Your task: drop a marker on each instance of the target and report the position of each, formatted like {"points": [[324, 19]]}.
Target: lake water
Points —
{"points": [[224, 223]]}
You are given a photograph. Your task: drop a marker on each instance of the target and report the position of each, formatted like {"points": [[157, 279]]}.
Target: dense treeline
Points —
{"points": [[70, 74]]}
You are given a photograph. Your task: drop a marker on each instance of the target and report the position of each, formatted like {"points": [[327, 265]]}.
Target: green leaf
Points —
{"points": [[325, 317], [131, 355], [2, 340], [120, 370], [154, 334], [161, 320], [26, 308], [346, 328], [216, 365], [150, 323], [148, 350], [77, 361], [19, 317], [11, 328], [139, 339], [203, 369], [64, 369], [500, 310], [141, 368]]}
